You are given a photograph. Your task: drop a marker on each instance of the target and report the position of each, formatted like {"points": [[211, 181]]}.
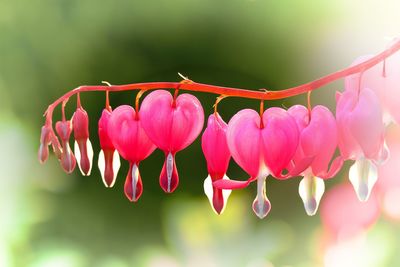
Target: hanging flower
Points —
{"points": [[128, 137], [261, 146], [361, 137], [109, 161], [317, 144], [82, 147], [172, 125], [67, 158], [216, 152]]}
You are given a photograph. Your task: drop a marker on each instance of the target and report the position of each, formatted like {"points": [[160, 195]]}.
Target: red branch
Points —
{"points": [[232, 92]]}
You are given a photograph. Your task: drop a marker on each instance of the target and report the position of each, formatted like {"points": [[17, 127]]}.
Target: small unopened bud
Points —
{"points": [[67, 158], [45, 141], [83, 147]]}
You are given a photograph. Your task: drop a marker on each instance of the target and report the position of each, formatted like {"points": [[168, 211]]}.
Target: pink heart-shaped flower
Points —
{"points": [[172, 125], [128, 137], [267, 150]]}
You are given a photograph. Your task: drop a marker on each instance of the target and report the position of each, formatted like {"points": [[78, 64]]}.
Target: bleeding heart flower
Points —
{"points": [[361, 137], [317, 144], [83, 147], [67, 158], [128, 137], [172, 125], [384, 80], [343, 215], [216, 152], [109, 161], [261, 146]]}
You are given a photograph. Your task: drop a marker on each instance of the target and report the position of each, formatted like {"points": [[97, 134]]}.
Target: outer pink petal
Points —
{"points": [[244, 140], [232, 184], [320, 138], [105, 141], [215, 146], [128, 136], [348, 145], [385, 84], [366, 123], [280, 137]]}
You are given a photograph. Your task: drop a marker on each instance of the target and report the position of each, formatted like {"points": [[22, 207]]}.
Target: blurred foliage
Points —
{"points": [[50, 46]]}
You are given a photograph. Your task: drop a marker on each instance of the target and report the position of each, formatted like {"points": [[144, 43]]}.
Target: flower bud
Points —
{"points": [[83, 147], [67, 158]]}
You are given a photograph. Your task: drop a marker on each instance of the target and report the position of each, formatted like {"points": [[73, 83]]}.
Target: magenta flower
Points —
{"points": [[317, 144], [128, 137], [343, 216], [83, 147], [172, 125], [109, 161], [67, 158], [261, 146], [384, 80], [216, 152], [361, 137]]}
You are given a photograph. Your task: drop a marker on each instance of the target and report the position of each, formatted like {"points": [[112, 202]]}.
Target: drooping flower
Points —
{"points": [[384, 80], [343, 215], [82, 147], [109, 161], [172, 125], [67, 158], [217, 154], [361, 137], [261, 146], [317, 144], [128, 137]]}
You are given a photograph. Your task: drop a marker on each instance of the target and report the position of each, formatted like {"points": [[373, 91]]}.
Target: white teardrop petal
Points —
{"points": [[116, 166], [363, 175], [77, 153], [208, 190], [101, 163], [311, 189], [89, 149]]}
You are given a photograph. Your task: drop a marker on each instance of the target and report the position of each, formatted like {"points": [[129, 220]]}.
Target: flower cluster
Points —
{"points": [[302, 141]]}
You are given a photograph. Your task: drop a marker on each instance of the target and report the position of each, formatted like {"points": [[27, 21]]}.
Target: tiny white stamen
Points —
{"points": [[170, 166]]}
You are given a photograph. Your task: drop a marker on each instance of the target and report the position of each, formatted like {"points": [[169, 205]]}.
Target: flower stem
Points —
{"points": [[232, 92]]}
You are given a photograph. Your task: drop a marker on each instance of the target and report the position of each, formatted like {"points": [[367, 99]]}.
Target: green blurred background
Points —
{"points": [[47, 47]]}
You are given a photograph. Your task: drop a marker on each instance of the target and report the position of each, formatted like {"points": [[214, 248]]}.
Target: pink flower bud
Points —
{"points": [[383, 80], [217, 154], [109, 162], [67, 159], [45, 141], [83, 147], [171, 126]]}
